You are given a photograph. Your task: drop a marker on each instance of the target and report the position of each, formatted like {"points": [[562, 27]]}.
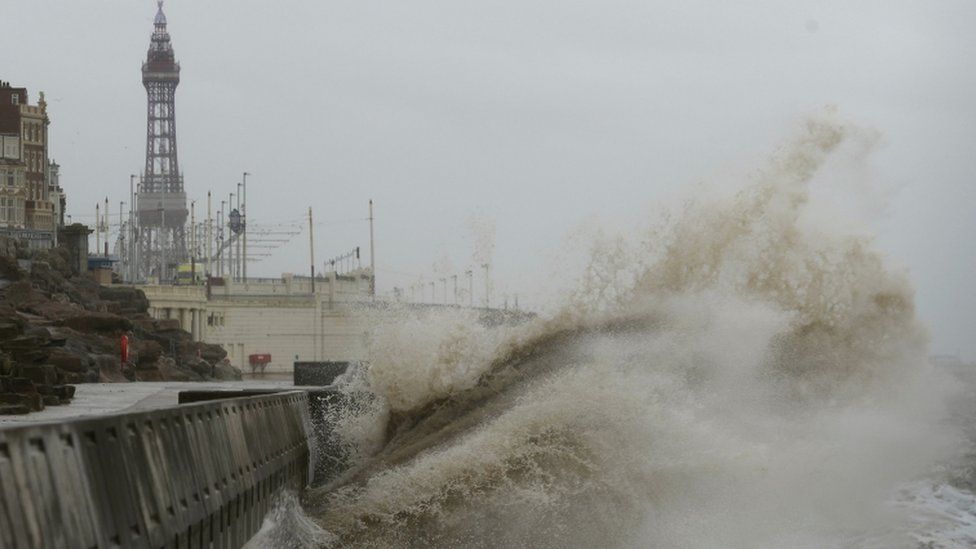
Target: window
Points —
{"points": [[15, 99]]}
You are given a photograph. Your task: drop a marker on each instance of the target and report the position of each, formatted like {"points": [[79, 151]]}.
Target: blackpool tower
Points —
{"points": [[161, 200]]}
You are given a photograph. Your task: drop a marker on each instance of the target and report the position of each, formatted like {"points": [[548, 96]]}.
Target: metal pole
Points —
{"points": [[138, 244], [209, 236], [231, 267], [193, 243], [121, 234], [244, 221], [487, 288], [237, 254], [470, 275], [162, 247], [372, 255], [106, 222], [311, 247], [132, 228], [220, 243], [98, 232]]}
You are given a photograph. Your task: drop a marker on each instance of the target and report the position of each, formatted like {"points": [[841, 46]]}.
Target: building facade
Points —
{"points": [[287, 318], [31, 201]]}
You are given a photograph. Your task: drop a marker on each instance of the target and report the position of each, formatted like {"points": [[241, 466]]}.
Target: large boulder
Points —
{"points": [[9, 327], [22, 343], [225, 371], [10, 271], [13, 409], [127, 300], [32, 400], [145, 351], [170, 371], [39, 374], [211, 353], [47, 278], [69, 362], [92, 321]]}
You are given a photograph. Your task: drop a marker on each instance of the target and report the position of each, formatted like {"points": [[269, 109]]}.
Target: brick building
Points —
{"points": [[30, 197]]}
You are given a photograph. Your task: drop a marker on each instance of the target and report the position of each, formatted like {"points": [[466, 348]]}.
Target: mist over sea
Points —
{"points": [[750, 373]]}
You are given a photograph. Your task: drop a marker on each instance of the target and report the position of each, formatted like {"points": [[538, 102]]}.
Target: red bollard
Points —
{"points": [[124, 347]]}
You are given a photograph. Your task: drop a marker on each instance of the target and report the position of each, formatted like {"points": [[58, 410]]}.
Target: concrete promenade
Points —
{"points": [[107, 398], [132, 470]]}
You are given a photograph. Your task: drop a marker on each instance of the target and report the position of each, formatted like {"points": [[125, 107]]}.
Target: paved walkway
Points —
{"points": [[106, 398]]}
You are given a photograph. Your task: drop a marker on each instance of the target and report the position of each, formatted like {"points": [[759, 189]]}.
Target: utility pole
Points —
{"points": [[487, 287], [122, 251], [231, 267], [470, 274], [106, 216], [98, 232], [311, 247], [237, 256], [193, 243], [372, 255], [162, 249], [315, 303], [220, 242], [209, 236], [244, 221], [133, 268]]}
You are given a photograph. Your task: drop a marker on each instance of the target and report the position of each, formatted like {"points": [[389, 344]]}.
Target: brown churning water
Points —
{"points": [[747, 375]]}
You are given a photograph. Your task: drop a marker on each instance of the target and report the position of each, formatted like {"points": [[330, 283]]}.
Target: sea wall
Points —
{"points": [[195, 475]]}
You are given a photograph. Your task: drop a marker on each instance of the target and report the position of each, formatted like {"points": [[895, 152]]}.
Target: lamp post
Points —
{"points": [[193, 243], [220, 240], [244, 228], [133, 269], [230, 236], [470, 274], [237, 254], [123, 252], [162, 247], [486, 267]]}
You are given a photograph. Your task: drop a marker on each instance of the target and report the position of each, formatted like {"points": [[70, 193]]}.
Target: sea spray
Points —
{"points": [[749, 379]]}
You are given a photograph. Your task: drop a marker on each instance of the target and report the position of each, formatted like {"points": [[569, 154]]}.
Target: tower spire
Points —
{"points": [[160, 20], [162, 211]]}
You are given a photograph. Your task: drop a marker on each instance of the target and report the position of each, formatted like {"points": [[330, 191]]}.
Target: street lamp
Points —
{"points": [[132, 229], [487, 286], [220, 239], [230, 235], [244, 228], [237, 256]]}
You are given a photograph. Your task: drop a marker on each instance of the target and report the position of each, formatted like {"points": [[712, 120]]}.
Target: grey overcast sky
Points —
{"points": [[537, 116]]}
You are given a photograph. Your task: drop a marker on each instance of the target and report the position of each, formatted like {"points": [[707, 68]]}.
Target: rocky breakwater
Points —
{"points": [[57, 330]]}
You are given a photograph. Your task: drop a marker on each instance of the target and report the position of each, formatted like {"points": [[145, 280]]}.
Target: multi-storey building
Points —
{"points": [[26, 208], [55, 192], [13, 183]]}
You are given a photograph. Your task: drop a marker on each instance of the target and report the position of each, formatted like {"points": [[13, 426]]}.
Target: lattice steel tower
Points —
{"points": [[161, 199]]}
